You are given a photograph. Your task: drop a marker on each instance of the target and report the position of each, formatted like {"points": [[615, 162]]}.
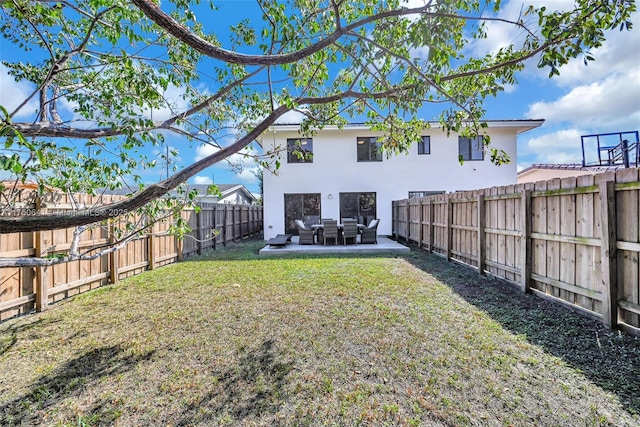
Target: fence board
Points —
{"points": [[567, 249], [553, 227], [584, 253]]}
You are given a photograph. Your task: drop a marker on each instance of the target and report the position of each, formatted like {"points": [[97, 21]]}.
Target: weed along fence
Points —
{"points": [[25, 289], [572, 240]]}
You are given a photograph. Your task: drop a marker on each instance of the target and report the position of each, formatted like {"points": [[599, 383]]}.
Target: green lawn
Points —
{"points": [[235, 339]]}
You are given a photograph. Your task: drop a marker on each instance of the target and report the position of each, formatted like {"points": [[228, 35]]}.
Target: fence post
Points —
{"points": [[199, 231], [482, 242], [179, 249], [394, 219], [226, 220], [179, 242], [408, 220], [449, 223], [241, 208], [525, 242], [41, 290], [608, 253], [113, 256], [421, 229], [215, 225], [151, 248], [431, 226]]}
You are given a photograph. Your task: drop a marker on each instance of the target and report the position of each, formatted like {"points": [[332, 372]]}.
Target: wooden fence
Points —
{"points": [[574, 240], [25, 289]]}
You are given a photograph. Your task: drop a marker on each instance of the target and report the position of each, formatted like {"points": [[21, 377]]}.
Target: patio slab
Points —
{"points": [[384, 245]]}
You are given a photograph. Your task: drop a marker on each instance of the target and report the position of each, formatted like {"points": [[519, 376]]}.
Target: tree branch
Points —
{"points": [[184, 34], [152, 192]]}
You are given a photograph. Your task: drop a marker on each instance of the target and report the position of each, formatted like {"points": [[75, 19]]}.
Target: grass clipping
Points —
{"points": [[235, 339]]}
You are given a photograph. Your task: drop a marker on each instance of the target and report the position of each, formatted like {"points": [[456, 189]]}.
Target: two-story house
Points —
{"points": [[341, 173]]}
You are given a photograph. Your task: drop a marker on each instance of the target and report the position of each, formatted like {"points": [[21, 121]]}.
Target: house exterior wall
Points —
{"points": [[335, 169]]}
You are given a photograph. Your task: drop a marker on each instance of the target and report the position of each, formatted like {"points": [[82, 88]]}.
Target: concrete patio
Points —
{"points": [[384, 245]]}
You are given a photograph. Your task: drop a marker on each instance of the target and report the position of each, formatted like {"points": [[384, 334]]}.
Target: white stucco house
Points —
{"points": [[342, 174]]}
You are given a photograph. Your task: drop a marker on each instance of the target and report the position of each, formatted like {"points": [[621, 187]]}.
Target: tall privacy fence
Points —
{"points": [[25, 289], [574, 240]]}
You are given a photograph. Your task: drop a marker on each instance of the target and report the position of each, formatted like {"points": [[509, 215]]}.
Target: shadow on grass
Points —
{"points": [[9, 332], [254, 388], [610, 359], [69, 380]]}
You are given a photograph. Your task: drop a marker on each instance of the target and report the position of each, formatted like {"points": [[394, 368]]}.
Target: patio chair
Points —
{"points": [[370, 233], [350, 231], [306, 234], [320, 235], [330, 231]]}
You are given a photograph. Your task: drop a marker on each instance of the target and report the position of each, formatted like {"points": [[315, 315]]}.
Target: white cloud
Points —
{"points": [[248, 175], [610, 104], [291, 117], [175, 103], [14, 93], [619, 54], [242, 163], [244, 155], [202, 180], [562, 146]]}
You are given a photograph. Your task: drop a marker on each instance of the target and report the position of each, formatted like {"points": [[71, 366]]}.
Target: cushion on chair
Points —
{"points": [[373, 223]]}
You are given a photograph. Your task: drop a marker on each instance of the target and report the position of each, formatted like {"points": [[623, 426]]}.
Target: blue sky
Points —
{"points": [[601, 97]]}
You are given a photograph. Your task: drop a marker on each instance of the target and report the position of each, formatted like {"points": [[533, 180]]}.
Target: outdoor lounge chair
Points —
{"points": [[279, 241], [330, 231], [370, 233], [306, 234], [350, 231]]}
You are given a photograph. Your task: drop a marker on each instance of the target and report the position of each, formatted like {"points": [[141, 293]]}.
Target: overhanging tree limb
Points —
{"points": [[148, 194]]}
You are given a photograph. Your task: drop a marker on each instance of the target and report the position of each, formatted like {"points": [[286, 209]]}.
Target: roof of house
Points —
{"points": [[570, 166], [521, 125], [225, 189]]}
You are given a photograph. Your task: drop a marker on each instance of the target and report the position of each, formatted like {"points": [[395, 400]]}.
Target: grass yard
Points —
{"points": [[235, 339]]}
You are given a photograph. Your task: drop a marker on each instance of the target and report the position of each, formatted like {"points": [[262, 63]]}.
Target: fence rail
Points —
{"points": [[574, 240], [25, 289]]}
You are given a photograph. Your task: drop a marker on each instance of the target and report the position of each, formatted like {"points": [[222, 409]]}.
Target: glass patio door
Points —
{"points": [[361, 206], [301, 206]]}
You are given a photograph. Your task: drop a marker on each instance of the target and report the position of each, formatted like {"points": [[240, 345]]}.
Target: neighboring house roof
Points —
{"points": [[543, 172], [202, 189], [225, 190]]}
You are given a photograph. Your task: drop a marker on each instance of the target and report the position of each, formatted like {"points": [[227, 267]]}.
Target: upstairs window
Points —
{"points": [[424, 146], [300, 150], [369, 149], [471, 148]]}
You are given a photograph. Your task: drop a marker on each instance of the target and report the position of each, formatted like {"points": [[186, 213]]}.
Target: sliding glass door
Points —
{"points": [[301, 206], [361, 206]]}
